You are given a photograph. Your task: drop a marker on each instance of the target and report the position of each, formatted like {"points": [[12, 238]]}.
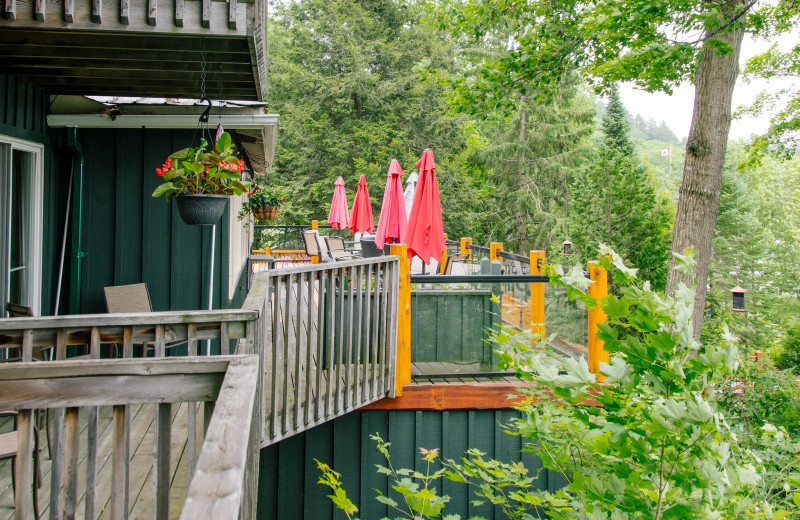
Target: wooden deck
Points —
{"points": [[141, 464]]}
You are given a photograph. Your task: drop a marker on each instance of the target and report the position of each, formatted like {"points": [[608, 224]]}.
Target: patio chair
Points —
{"points": [[452, 259], [368, 247], [135, 298], [337, 250], [315, 246], [8, 450]]}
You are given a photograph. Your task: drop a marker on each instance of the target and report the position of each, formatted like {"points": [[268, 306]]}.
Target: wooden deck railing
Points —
{"points": [[226, 385], [330, 332]]}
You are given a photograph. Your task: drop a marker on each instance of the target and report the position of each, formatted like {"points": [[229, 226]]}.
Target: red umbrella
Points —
{"points": [[338, 217], [425, 235], [361, 215], [393, 221]]}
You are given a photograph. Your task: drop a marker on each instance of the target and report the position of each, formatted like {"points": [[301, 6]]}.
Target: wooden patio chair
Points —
{"points": [[315, 246], [337, 250], [8, 450], [135, 298]]}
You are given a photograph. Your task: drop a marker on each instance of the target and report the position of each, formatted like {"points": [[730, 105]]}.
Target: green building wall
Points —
{"points": [[288, 473]]}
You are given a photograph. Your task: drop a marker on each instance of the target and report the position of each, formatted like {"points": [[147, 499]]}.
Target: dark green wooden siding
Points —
{"points": [[450, 326], [288, 477], [131, 237]]}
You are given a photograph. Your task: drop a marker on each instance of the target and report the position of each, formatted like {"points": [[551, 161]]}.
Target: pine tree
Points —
{"points": [[617, 201]]}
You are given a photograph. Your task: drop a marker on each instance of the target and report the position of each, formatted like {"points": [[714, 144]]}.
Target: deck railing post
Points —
{"points": [[537, 295], [596, 316], [315, 224], [494, 247], [443, 261], [465, 246], [403, 365]]}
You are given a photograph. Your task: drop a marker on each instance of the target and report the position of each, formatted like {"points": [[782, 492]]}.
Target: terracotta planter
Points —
{"points": [[202, 210], [266, 212]]}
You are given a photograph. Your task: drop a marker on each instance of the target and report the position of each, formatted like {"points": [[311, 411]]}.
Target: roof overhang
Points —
{"points": [[255, 130]]}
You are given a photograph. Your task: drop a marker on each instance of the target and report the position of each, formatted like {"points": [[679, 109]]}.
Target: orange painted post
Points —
{"points": [[596, 316], [537, 294], [444, 257], [315, 224], [465, 242], [267, 250], [403, 361], [494, 247]]}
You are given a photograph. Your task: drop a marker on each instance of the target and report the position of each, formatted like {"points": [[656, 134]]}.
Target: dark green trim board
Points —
{"points": [[23, 110], [288, 475]]}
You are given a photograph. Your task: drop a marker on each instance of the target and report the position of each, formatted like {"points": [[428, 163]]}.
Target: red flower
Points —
{"points": [[160, 172]]}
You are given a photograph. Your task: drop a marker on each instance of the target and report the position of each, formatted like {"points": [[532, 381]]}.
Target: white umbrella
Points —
{"points": [[411, 188]]}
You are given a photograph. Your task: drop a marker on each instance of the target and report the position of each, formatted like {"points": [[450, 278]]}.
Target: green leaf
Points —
{"points": [[223, 142], [163, 188]]}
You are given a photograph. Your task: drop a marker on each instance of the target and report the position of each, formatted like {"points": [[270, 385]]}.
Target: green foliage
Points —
{"points": [[789, 356], [198, 170], [760, 393], [617, 201], [357, 85], [260, 197], [646, 443], [420, 500]]}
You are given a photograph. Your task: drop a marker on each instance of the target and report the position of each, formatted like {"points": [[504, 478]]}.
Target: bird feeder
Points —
{"points": [[567, 247], [738, 299]]}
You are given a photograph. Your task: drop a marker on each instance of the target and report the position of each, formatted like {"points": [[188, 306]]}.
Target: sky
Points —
{"points": [[676, 110]]}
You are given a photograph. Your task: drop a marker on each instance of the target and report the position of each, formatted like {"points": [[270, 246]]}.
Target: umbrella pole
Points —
{"points": [[211, 284]]}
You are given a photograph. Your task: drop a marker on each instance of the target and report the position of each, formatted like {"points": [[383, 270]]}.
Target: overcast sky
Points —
{"points": [[676, 110]]}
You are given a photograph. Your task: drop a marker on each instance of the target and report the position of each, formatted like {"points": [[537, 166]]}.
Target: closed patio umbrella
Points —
{"points": [[425, 233], [338, 216], [361, 215], [411, 188], [393, 221]]}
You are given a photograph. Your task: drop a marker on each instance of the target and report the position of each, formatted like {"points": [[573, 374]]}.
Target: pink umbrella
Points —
{"points": [[425, 235], [361, 215], [393, 221], [338, 216]]}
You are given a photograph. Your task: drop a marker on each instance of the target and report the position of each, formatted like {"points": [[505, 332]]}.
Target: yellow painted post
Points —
{"points": [[537, 294], [267, 250], [494, 247], [464, 249], [596, 316], [403, 363], [314, 226], [444, 257]]}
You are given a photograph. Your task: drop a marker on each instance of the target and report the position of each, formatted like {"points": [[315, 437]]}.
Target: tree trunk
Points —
{"points": [[698, 202]]}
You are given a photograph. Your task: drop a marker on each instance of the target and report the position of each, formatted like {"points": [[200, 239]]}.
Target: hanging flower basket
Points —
{"points": [[266, 212], [203, 210]]}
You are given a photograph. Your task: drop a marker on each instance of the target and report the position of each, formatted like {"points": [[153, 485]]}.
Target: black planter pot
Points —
{"points": [[202, 210]]}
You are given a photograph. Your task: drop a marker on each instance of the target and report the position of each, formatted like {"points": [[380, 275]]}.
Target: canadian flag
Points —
{"points": [[666, 151]]}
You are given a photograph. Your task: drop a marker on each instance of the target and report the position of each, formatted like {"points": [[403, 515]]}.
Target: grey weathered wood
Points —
{"points": [[319, 344], [380, 279], [120, 320], [97, 11], [223, 459], [273, 353], [124, 12], [24, 466], [391, 336], [205, 13], [178, 13], [39, 13], [27, 345], [232, 9], [224, 341], [160, 342], [110, 367], [368, 279], [208, 412], [71, 462], [330, 321], [161, 447], [91, 462], [56, 463], [310, 360], [127, 342], [300, 347], [120, 470], [109, 390], [285, 415], [352, 295], [339, 341], [358, 333], [152, 12]]}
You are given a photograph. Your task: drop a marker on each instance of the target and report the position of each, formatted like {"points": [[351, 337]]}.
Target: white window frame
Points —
{"points": [[36, 223]]}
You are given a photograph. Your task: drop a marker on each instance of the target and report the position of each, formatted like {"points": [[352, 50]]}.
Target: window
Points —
{"points": [[21, 182]]}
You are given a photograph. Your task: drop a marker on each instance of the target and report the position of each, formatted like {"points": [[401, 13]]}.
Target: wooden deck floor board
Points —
{"points": [[141, 453]]}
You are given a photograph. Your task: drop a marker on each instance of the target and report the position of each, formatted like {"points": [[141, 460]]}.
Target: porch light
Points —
{"points": [[738, 299]]}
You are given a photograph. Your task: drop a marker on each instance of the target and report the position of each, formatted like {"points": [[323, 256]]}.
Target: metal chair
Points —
{"points": [[135, 298], [337, 250], [368, 247], [457, 257], [315, 246]]}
